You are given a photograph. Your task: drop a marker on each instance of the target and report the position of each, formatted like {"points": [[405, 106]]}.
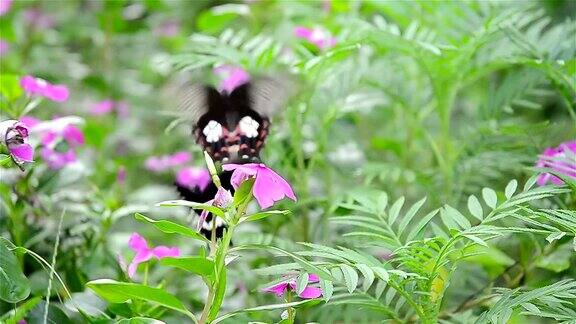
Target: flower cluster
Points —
{"points": [[59, 146], [561, 159]]}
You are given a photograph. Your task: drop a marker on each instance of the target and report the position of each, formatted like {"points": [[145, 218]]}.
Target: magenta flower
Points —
{"points": [[143, 253], [107, 106], [37, 86], [269, 186], [59, 146], [193, 177], [223, 199], [121, 175], [232, 77], [561, 159], [316, 36], [4, 47], [14, 135], [166, 162], [290, 285], [5, 6], [29, 121], [37, 19]]}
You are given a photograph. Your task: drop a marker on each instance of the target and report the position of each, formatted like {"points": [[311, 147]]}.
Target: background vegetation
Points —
{"points": [[416, 106]]}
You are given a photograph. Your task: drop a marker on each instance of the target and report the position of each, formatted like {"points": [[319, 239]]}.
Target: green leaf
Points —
{"points": [[14, 286], [350, 277], [421, 224], [243, 192], [185, 203], [490, 197], [169, 227], [327, 289], [217, 18], [219, 296], [511, 188], [395, 210], [301, 282], [407, 219], [15, 315], [195, 264], [453, 214], [476, 239], [368, 275], [475, 208], [265, 214], [381, 273], [555, 236], [10, 86], [120, 292]]}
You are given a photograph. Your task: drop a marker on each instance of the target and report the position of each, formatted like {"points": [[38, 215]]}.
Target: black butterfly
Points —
{"points": [[231, 127]]}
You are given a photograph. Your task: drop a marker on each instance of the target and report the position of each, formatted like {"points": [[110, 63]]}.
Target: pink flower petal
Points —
{"points": [[277, 289], [140, 257], [310, 293], [29, 121], [203, 216], [102, 108], [137, 243], [73, 135], [58, 93], [193, 177], [241, 172], [179, 158], [23, 152], [233, 77], [5, 6], [313, 278], [164, 251]]}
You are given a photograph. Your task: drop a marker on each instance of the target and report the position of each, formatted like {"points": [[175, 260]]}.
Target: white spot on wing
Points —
{"points": [[249, 127], [212, 131], [208, 225]]}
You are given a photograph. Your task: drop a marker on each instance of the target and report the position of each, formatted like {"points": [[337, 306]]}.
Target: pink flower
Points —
{"points": [[269, 186], [233, 77], [4, 47], [29, 121], [168, 29], [5, 6], [193, 177], [143, 253], [561, 159], [37, 19], [59, 146], [166, 162], [14, 135], [107, 106], [37, 86], [316, 36], [290, 285], [121, 175]]}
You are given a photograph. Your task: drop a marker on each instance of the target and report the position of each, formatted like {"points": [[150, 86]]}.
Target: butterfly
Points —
{"points": [[231, 127]]}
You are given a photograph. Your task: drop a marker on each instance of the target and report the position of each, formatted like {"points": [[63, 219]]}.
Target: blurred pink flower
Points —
{"points": [[290, 285], [561, 159], [5, 6], [168, 29], [37, 19], [107, 106], [121, 175], [316, 36], [59, 146], [4, 47], [269, 186], [193, 177], [14, 135], [143, 253], [37, 86], [29, 121], [166, 162], [232, 77]]}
